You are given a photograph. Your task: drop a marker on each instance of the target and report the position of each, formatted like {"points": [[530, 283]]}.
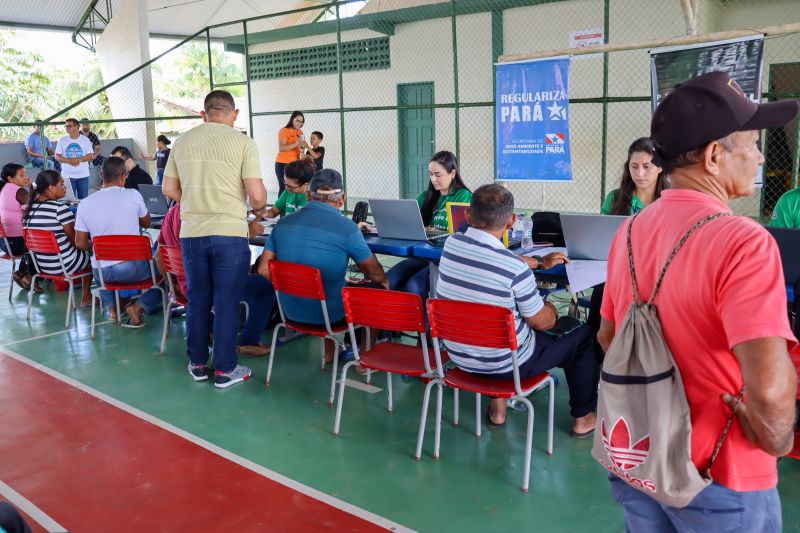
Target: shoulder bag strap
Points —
{"points": [[634, 282], [678, 247]]}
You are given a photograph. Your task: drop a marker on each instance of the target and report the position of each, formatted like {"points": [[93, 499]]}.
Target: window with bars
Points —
{"points": [[363, 54]]}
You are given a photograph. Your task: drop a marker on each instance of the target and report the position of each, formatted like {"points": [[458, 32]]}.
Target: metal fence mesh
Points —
{"points": [[399, 81]]}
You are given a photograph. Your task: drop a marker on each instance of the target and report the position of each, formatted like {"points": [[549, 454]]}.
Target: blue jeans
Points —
{"points": [[216, 273], [80, 186], [39, 163], [260, 298], [410, 275], [716, 508], [159, 176], [129, 271]]}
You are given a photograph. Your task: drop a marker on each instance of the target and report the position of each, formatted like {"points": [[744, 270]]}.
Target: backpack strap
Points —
{"points": [[718, 447], [634, 282]]}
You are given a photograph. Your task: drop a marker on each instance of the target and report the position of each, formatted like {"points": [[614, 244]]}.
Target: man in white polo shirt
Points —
{"points": [[115, 210], [476, 267], [74, 151]]}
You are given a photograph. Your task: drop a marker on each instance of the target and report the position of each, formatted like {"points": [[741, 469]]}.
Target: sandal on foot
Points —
{"points": [[584, 435], [254, 350], [129, 324], [491, 423]]}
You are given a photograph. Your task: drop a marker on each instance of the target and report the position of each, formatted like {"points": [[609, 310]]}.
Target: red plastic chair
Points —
{"points": [[388, 311], [487, 326], [9, 257], [172, 260], [123, 248], [39, 241], [305, 282]]}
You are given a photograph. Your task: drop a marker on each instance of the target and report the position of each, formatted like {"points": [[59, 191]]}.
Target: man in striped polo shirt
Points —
{"points": [[476, 267]]}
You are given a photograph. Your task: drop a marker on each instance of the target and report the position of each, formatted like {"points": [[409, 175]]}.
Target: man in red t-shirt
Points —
{"points": [[722, 306]]}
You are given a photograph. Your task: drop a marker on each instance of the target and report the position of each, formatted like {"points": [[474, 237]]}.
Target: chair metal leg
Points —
{"points": [[477, 415], [528, 442], [388, 391], [333, 372], [437, 434], [11, 283], [95, 295], [338, 418], [119, 311], [550, 411], [272, 350], [423, 417], [165, 331], [30, 295], [322, 353], [456, 421], [69, 302]]}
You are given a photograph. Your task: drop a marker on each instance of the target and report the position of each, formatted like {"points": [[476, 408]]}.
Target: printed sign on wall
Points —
{"points": [[532, 121]]}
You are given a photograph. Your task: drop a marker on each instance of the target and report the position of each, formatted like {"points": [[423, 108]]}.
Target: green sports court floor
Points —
{"points": [[282, 433]]}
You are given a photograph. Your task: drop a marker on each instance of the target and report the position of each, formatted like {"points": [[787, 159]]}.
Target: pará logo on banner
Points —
{"points": [[554, 138]]}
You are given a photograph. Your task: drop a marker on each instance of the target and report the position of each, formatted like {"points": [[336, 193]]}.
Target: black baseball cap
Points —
{"points": [[707, 108], [327, 179]]}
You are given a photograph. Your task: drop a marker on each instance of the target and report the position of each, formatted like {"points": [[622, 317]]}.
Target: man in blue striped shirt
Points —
{"points": [[476, 267]]}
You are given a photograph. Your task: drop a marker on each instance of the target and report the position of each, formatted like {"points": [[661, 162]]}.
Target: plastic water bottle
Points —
{"points": [[516, 229], [527, 232]]}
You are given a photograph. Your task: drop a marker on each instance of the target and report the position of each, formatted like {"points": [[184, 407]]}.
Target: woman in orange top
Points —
{"points": [[291, 143]]}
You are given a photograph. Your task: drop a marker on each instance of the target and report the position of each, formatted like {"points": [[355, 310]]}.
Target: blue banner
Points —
{"points": [[532, 118]]}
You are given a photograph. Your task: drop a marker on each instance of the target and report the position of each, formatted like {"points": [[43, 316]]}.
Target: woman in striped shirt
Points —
{"points": [[45, 212]]}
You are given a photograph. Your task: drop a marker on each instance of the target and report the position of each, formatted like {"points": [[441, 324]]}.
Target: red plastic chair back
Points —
{"points": [[489, 326], [40, 241], [297, 280], [172, 260], [381, 309], [122, 248]]}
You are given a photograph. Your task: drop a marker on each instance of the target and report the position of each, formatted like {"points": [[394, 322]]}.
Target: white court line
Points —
{"points": [[241, 461], [28, 507], [360, 385], [45, 335]]}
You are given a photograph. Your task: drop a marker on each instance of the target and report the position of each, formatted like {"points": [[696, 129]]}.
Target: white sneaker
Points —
{"points": [[237, 375]]}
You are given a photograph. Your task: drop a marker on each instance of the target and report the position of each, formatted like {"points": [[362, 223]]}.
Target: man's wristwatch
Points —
{"points": [[539, 262]]}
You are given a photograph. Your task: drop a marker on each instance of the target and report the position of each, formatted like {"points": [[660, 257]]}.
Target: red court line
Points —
{"points": [[94, 467]]}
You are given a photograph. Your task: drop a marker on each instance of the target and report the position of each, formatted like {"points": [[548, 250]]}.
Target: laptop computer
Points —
{"points": [[590, 236], [154, 200], [400, 219], [788, 240]]}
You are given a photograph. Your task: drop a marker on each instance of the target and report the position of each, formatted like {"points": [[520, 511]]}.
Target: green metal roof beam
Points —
{"points": [[381, 20]]}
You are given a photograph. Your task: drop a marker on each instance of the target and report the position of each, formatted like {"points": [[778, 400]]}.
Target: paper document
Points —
{"points": [[544, 251], [584, 273]]}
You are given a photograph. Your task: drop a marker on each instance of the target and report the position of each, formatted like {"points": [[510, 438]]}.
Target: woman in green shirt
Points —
{"points": [[641, 184], [297, 175], [411, 275]]}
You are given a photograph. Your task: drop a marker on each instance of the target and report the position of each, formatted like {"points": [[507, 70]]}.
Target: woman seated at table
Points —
{"points": [[14, 183], [296, 177], [45, 212], [641, 184], [446, 185]]}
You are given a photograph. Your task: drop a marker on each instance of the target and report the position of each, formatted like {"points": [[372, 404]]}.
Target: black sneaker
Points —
{"points": [[237, 375], [198, 372]]}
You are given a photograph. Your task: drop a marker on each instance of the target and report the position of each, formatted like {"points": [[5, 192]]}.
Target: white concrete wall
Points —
{"points": [[421, 52], [123, 46]]}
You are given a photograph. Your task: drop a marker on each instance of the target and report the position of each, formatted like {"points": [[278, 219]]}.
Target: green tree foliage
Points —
{"points": [[23, 87], [187, 77]]}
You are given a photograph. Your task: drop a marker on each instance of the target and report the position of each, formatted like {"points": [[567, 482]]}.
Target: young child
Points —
{"points": [[316, 152], [297, 175]]}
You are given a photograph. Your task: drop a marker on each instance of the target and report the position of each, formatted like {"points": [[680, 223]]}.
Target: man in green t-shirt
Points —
{"points": [[297, 175], [787, 211]]}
